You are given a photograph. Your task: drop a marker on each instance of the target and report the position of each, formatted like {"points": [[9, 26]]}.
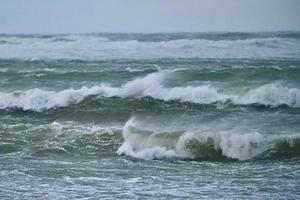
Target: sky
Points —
{"points": [[148, 16]]}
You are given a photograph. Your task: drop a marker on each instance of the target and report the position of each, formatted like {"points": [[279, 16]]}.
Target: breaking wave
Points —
{"points": [[272, 95], [203, 145]]}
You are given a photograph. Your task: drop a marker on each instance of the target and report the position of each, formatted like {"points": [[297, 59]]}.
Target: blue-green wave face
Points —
{"points": [[96, 104]]}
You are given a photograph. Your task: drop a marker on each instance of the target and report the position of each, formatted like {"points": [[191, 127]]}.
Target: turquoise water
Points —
{"points": [[150, 116]]}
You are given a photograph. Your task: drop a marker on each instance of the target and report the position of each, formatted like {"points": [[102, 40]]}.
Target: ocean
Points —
{"points": [[150, 116]]}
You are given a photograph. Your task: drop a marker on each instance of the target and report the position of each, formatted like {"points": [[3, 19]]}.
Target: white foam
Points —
{"points": [[148, 153], [129, 69]]}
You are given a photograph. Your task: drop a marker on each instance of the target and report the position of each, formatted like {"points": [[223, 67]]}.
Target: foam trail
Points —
{"points": [[152, 85]]}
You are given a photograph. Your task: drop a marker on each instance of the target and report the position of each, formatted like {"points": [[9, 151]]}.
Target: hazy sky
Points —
{"points": [[78, 16]]}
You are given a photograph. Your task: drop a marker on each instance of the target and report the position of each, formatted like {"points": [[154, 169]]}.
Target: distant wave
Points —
{"points": [[205, 145], [272, 94], [92, 47]]}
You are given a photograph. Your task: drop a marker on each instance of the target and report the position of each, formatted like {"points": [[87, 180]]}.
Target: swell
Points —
{"points": [[152, 85], [204, 145]]}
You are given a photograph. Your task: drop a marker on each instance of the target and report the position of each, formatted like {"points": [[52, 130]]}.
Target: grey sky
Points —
{"points": [[78, 16]]}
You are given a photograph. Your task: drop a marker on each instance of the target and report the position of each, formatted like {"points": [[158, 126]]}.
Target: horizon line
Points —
{"points": [[158, 32]]}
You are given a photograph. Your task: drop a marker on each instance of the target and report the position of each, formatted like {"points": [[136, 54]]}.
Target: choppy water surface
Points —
{"points": [[157, 116]]}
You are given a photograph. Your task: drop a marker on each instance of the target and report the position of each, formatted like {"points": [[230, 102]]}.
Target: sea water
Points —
{"points": [[150, 116]]}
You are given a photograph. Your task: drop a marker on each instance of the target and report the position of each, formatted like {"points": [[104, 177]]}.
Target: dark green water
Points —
{"points": [[150, 116]]}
